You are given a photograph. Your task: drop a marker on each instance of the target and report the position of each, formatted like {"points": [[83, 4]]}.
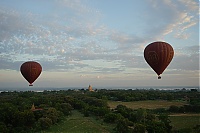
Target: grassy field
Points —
{"points": [[149, 104], [184, 121], [77, 123]]}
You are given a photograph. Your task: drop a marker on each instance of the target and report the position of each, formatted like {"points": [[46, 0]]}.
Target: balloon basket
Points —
{"points": [[30, 85]]}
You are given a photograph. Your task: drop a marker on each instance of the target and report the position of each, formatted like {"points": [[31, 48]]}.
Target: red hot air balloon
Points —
{"points": [[31, 71], [158, 55]]}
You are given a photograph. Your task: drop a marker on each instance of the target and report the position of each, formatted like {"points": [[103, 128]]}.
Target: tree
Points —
{"points": [[156, 127], [38, 114], [86, 112], [8, 114], [65, 108], [139, 128], [28, 118], [44, 123], [112, 117], [123, 110], [52, 114], [101, 111], [123, 126], [165, 119], [150, 116], [3, 128], [141, 115]]}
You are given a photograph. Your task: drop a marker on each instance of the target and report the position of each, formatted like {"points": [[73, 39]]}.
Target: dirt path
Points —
{"points": [[182, 114]]}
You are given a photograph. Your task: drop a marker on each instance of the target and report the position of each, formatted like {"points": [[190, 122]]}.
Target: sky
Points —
{"points": [[97, 42]]}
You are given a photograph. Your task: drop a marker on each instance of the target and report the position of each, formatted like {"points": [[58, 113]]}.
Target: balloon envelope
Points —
{"points": [[31, 71], [158, 55]]}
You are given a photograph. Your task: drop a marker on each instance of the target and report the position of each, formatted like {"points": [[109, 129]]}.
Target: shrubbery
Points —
{"points": [[52, 106]]}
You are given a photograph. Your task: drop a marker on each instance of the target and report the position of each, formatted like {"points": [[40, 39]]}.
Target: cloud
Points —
{"points": [[12, 23], [185, 62], [186, 58], [125, 42], [191, 5], [173, 17], [56, 50], [71, 34]]}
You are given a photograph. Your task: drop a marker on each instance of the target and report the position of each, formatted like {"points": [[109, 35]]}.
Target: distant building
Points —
{"points": [[34, 109], [90, 88]]}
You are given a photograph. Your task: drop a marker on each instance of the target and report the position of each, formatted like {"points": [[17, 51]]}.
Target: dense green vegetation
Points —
{"points": [[77, 123], [147, 104], [56, 107]]}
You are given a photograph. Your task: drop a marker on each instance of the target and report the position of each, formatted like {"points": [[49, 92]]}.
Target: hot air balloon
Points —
{"points": [[158, 55], [31, 71]]}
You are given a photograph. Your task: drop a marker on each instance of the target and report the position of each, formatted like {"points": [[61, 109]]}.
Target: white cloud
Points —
{"points": [[190, 4], [178, 15]]}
